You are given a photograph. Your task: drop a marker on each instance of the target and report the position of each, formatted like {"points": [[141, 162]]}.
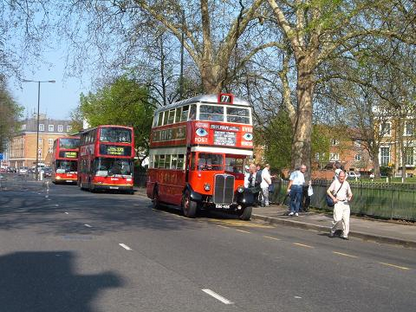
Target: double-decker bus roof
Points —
{"points": [[101, 126], [206, 98]]}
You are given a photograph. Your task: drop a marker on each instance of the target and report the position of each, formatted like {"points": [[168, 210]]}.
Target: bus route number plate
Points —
{"points": [[222, 206]]}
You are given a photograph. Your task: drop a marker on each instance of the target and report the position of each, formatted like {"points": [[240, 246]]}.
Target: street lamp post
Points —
{"points": [[37, 123]]}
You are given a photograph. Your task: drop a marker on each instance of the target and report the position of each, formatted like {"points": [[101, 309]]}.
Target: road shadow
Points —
{"points": [[47, 281]]}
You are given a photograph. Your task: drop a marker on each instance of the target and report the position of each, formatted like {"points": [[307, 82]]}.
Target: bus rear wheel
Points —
{"points": [[188, 206], [246, 214]]}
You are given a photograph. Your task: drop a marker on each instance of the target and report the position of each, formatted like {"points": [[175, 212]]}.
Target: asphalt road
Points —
{"points": [[62, 249]]}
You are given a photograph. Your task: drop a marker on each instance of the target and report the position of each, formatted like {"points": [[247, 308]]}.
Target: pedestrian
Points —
{"points": [[266, 180], [341, 194], [295, 189], [254, 183], [337, 169], [246, 176]]}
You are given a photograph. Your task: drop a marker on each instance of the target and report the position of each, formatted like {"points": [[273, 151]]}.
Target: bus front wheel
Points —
{"points": [[246, 214], [188, 206]]}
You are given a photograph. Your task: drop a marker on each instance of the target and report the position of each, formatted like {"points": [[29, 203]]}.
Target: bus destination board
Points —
{"points": [[224, 138], [112, 150], [68, 154]]}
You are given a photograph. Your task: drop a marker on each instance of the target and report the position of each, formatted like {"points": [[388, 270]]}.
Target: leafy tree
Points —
{"points": [[123, 102], [10, 113]]}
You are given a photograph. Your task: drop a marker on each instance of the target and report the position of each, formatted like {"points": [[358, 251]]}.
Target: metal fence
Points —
{"points": [[380, 200]]}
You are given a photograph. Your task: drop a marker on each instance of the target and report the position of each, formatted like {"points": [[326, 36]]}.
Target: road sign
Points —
{"points": [[1, 156]]}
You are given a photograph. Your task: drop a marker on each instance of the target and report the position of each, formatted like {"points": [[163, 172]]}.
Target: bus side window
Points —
{"points": [[181, 159], [178, 115], [192, 113], [160, 120], [174, 161], [165, 119], [156, 162], [171, 116], [167, 162], [193, 157], [161, 161], [185, 111]]}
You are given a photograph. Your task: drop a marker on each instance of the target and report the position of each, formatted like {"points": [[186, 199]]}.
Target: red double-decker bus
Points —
{"points": [[106, 159], [65, 160], [198, 150]]}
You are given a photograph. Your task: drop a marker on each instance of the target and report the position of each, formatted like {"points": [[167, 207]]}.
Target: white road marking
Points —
{"points": [[297, 297], [242, 231], [87, 225], [344, 254], [271, 237], [217, 296], [56, 205], [125, 246], [394, 266], [66, 212], [303, 245]]}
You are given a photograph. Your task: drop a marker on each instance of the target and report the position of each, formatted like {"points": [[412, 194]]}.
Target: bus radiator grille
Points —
{"points": [[223, 189]]}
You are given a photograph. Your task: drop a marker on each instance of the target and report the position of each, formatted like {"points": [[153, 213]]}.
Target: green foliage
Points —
{"points": [[277, 139], [10, 113], [123, 102]]}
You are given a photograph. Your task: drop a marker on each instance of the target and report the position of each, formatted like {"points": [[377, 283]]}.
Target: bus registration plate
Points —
{"points": [[222, 206], [114, 187]]}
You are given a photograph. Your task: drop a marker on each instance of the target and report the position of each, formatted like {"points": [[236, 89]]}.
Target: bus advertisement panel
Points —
{"points": [[65, 160], [198, 150], [106, 158]]}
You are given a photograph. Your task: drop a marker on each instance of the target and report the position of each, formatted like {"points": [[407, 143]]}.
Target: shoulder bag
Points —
{"points": [[329, 200]]}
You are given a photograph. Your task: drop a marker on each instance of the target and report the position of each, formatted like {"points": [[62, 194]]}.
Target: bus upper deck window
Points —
{"points": [[192, 113], [184, 113], [160, 119], [178, 115], [211, 112], [238, 115]]}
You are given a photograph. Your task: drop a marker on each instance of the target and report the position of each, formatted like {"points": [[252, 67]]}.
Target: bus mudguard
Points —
{"points": [[245, 198], [194, 195]]}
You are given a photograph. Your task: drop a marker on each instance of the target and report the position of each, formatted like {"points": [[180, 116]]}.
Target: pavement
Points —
{"points": [[382, 231]]}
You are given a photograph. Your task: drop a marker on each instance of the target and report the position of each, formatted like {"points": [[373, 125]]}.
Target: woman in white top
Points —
{"points": [[266, 180]]}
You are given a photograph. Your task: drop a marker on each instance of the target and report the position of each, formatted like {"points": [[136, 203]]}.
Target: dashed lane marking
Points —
{"points": [[217, 296], [303, 245], [87, 225], [394, 266], [125, 246], [239, 223], [344, 254], [67, 213], [222, 226], [243, 231], [271, 237]]}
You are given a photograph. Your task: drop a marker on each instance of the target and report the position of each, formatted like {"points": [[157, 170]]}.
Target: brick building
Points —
{"points": [[21, 151]]}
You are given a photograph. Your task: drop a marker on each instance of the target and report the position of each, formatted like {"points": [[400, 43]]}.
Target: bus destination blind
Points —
{"points": [[68, 154], [112, 150]]}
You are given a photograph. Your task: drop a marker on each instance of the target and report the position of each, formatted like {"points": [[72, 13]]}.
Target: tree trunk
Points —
{"points": [[302, 124], [212, 81]]}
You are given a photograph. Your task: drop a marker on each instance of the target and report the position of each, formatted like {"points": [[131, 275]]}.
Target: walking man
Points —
{"points": [[266, 180], [295, 189], [341, 194]]}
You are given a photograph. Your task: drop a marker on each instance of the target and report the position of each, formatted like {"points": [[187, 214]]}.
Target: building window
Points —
{"points": [[51, 128], [334, 142], [357, 157], [24, 127], [40, 141], [50, 150], [333, 156], [60, 128], [409, 156], [409, 128], [68, 128], [50, 141], [41, 127], [384, 156], [385, 129]]}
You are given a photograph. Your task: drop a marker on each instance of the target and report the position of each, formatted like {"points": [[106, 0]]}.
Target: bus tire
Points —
{"points": [[156, 199], [189, 207], [246, 214]]}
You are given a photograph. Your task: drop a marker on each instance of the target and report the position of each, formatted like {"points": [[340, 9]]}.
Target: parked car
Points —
{"points": [[354, 175], [47, 172], [23, 170]]}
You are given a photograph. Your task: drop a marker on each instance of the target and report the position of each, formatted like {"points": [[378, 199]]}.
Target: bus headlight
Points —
{"points": [[207, 187], [57, 177], [240, 189]]}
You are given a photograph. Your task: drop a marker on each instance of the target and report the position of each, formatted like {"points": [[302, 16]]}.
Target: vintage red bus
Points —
{"points": [[106, 158], [198, 150], [65, 160]]}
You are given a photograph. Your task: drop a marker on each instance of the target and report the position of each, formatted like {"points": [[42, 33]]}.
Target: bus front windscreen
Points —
{"points": [[66, 166], [105, 167], [115, 135], [69, 143]]}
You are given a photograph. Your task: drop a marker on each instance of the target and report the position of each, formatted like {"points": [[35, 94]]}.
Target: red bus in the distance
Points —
{"points": [[65, 160], [106, 159], [198, 150]]}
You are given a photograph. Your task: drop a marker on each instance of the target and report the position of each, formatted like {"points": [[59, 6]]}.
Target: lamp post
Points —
{"points": [[37, 122]]}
